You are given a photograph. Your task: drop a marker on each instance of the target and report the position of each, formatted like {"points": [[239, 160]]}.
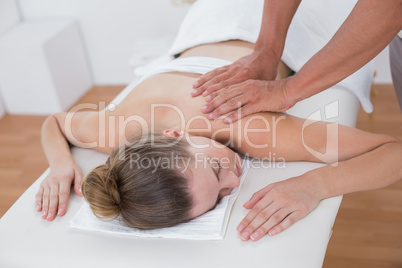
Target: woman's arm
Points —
{"points": [[52, 196], [374, 169], [296, 139], [57, 132], [359, 161], [281, 204]]}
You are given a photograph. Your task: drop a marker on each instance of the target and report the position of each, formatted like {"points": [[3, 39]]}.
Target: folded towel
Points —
{"points": [[209, 226]]}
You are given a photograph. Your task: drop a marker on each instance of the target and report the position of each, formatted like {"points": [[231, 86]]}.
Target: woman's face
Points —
{"points": [[215, 171]]}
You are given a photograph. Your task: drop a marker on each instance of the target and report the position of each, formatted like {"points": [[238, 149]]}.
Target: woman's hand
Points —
{"points": [[54, 192], [278, 206]]}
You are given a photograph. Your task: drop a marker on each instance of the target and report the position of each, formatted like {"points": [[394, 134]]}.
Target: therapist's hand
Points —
{"points": [[278, 206], [245, 87], [54, 192], [258, 65], [251, 96]]}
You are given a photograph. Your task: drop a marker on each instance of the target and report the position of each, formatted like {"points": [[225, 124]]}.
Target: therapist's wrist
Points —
{"points": [[305, 84], [292, 91], [271, 53]]}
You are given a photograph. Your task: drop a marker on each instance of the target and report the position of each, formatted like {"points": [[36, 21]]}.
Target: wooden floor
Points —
{"points": [[368, 229]]}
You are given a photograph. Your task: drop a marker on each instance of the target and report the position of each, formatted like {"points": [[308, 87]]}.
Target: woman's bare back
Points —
{"points": [[164, 101]]}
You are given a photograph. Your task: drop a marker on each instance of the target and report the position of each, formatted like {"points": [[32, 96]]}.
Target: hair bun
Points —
{"points": [[101, 191]]}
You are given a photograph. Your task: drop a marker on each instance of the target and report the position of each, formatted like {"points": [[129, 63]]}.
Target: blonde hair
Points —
{"points": [[144, 193]]}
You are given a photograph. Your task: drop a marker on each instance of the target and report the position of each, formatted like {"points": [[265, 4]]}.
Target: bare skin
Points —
{"points": [[367, 161]]}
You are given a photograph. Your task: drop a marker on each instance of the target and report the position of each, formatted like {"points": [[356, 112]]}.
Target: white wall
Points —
{"points": [[9, 17], [2, 109], [114, 31]]}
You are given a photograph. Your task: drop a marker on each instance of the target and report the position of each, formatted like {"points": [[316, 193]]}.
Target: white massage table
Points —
{"points": [[26, 240]]}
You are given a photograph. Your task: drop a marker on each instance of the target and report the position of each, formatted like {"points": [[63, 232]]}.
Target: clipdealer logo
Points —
{"points": [[331, 151]]}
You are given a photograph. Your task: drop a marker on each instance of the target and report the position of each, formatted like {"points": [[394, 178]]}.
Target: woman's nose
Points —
{"points": [[232, 181]]}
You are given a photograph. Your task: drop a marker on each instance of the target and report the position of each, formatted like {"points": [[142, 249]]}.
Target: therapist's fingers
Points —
{"points": [[226, 100], [239, 100], [244, 111], [222, 81], [233, 105], [216, 83], [233, 76], [199, 87]]}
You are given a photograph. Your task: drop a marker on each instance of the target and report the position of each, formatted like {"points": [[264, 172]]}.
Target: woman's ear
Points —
{"points": [[173, 133]]}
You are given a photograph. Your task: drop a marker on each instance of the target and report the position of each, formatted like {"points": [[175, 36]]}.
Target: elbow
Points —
{"points": [[396, 145], [57, 117], [50, 122], [51, 119], [391, 139]]}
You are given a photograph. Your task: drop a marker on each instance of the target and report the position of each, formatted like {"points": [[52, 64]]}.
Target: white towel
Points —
{"points": [[196, 65], [209, 226], [313, 25]]}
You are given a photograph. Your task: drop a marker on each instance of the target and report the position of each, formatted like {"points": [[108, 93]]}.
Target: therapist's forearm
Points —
{"points": [[372, 170], [54, 144], [369, 28], [276, 19]]}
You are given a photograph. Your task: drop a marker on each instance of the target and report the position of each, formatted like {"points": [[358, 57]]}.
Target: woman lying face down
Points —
{"points": [[152, 197], [167, 179]]}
